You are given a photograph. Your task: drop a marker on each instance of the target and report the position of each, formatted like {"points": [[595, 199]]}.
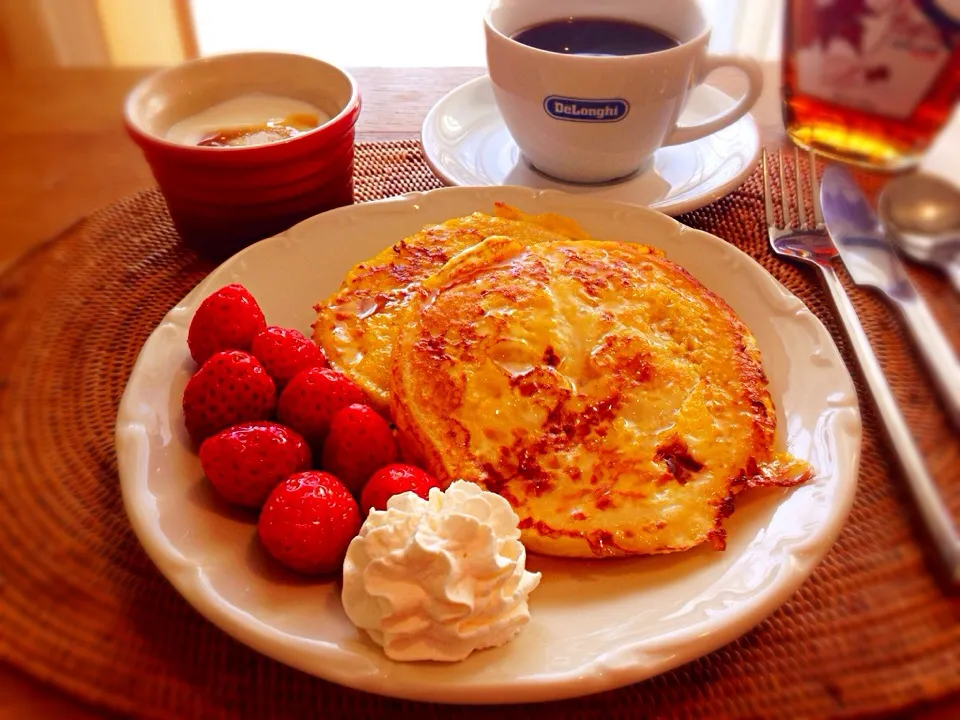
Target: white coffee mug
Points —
{"points": [[588, 118]]}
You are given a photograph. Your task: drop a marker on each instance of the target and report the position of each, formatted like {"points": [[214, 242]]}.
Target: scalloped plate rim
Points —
{"points": [[620, 667]]}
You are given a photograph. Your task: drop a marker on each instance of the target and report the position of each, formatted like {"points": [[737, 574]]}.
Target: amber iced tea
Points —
{"points": [[870, 81]]}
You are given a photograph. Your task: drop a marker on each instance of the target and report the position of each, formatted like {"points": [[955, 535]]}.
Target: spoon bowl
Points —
{"points": [[922, 214]]}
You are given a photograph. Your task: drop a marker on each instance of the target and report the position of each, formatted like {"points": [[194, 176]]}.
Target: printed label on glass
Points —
{"points": [[881, 56]]}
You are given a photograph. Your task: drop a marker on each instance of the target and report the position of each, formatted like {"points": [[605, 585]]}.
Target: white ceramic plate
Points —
{"points": [[595, 624], [466, 143]]}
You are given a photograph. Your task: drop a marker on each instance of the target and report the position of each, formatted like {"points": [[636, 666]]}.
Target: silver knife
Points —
{"points": [[871, 259]]}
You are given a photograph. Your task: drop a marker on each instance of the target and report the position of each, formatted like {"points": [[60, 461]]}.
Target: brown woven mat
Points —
{"points": [[83, 608]]}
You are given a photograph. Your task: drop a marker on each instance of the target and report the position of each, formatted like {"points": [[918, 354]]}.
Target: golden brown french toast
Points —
{"points": [[617, 403], [356, 326]]}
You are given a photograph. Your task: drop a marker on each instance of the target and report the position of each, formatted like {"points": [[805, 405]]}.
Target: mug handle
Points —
{"points": [[751, 68]]}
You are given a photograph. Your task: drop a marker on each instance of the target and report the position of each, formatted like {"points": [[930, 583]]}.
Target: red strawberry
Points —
{"points": [[359, 442], [246, 461], [312, 398], [229, 388], [393, 480], [285, 352], [308, 521], [226, 320]]}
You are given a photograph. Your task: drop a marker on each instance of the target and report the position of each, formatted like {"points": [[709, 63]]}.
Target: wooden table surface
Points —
{"points": [[64, 153]]}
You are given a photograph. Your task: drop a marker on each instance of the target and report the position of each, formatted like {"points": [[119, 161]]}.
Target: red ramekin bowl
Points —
{"points": [[222, 199]]}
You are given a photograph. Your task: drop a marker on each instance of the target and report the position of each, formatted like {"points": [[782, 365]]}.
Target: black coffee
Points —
{"points": [[595, 36]]}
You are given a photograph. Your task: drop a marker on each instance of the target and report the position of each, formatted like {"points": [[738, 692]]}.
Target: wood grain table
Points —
{"points": [[64, 153]]}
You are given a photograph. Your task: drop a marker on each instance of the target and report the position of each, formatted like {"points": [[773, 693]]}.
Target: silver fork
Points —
{"points": [[810, 243]]}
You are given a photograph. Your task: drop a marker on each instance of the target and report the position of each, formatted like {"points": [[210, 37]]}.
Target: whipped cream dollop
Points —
{"points": [[436, 579]]}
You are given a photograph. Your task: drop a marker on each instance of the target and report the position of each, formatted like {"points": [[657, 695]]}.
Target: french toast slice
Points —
{"points": [[616, 402], [357, 325]]}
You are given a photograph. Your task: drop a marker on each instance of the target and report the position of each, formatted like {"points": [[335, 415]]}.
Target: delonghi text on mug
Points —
{"points": [[584, 110], [590, 91]]}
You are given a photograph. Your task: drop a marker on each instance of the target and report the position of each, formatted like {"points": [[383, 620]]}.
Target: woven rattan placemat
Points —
{"points": [[83, 608]]}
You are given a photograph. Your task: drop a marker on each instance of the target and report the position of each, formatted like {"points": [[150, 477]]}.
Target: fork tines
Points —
{"points": [[799, 192]]}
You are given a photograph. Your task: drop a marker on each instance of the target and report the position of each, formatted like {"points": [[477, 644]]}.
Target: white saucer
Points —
{"points": [[466, 143]]}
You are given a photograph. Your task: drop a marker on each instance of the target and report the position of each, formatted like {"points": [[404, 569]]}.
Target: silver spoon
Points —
{"points": [[922, 214]]}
